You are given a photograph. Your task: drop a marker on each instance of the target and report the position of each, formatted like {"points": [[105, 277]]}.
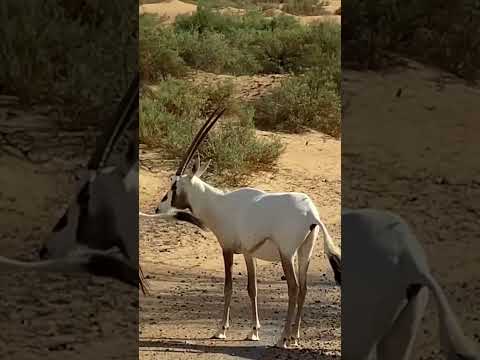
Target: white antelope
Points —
{"points": [[385, 290], [98, 232], [269, 226]]}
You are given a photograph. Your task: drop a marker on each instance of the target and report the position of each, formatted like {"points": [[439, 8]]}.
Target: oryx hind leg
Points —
{"points": [[303, 257], [252, 293], [292, 283], [398, 343], [227, 293]]}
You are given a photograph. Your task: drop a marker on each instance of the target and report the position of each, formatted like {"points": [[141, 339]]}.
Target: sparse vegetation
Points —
{"points": [[310, 101], [159, 56], [237, 45], [172, 113], [172, 108], [296, 7], [445, 34], [70, 56], [304, 7]]}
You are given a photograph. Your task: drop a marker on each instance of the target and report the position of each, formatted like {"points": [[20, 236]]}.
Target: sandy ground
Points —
{"points": [[169, 10], [395, 156]]}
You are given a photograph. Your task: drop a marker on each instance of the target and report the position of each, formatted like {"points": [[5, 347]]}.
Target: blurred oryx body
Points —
{"points": [[385, 290], [271, 226], [98, 232]]}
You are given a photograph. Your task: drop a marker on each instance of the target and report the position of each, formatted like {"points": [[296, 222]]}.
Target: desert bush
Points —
{"points": [[250, 44], [68, 56], [305, 7], [172, 113], [159, 55], [296, 7], [212, 52], [308, 101], [445, 34]]}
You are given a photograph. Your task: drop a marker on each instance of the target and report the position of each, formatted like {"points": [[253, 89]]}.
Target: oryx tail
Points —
{"points": [[331, 250], [451, 334]]}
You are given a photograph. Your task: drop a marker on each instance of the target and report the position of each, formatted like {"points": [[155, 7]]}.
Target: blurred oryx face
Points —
{"points": [[67, 232]]}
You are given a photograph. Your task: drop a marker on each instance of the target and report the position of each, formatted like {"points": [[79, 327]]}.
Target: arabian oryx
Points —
{"points": [[385, 289], [269, 226], [98, 233]]}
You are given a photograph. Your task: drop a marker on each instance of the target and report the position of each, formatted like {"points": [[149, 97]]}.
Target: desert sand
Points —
{"points": [[170, 9], [417, 155]]}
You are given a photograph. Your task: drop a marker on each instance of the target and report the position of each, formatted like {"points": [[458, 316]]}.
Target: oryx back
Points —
{"points": [[265, 222]]}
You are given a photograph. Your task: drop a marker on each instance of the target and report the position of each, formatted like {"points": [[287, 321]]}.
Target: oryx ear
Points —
{"points": [[202, 169], [196, 165]]}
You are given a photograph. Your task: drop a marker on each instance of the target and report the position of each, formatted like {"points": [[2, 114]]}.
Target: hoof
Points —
{"points": [[293, 343], [282, 343], [252, 337], [219, 336]]}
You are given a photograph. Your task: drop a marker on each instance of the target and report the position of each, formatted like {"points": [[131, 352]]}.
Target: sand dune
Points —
{"points": [[168, 9]]}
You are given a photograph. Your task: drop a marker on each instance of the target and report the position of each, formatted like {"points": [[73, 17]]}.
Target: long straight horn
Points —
{"points": [[120, 121], [198, 139]]}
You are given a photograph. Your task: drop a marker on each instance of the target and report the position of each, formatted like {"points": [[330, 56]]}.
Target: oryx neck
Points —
{"points": [[205, 200]]}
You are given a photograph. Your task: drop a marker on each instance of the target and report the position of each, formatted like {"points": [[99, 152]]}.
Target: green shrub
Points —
{"points": [[310, 101], [251, 44], [51, 53], [444, 34], [159, 55], [212, 52], [174, 111], [305, 7]]}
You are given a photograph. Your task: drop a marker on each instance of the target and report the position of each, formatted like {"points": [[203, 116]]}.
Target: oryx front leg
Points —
{"points": [[292, 283], [227, 293], [252, 292]]}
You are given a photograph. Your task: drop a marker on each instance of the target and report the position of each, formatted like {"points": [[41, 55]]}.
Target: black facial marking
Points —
{"points": [[413, 290], [84, 195], [165, 197], [83, 198], [61, 223], [187, 217], [174, 192]]}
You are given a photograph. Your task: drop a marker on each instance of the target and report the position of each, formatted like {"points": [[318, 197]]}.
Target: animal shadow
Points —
{"points": [[248, 352]]}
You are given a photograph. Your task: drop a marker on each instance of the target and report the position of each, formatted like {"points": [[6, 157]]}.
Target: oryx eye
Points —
{"points": [[61, 223], [165, 197]]}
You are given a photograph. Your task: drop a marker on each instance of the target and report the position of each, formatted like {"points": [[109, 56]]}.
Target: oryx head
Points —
{"points": [[178, 195], [91, 220]]}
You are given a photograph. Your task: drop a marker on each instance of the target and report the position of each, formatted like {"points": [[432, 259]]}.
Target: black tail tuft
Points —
{"points": [[336, 265]]}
